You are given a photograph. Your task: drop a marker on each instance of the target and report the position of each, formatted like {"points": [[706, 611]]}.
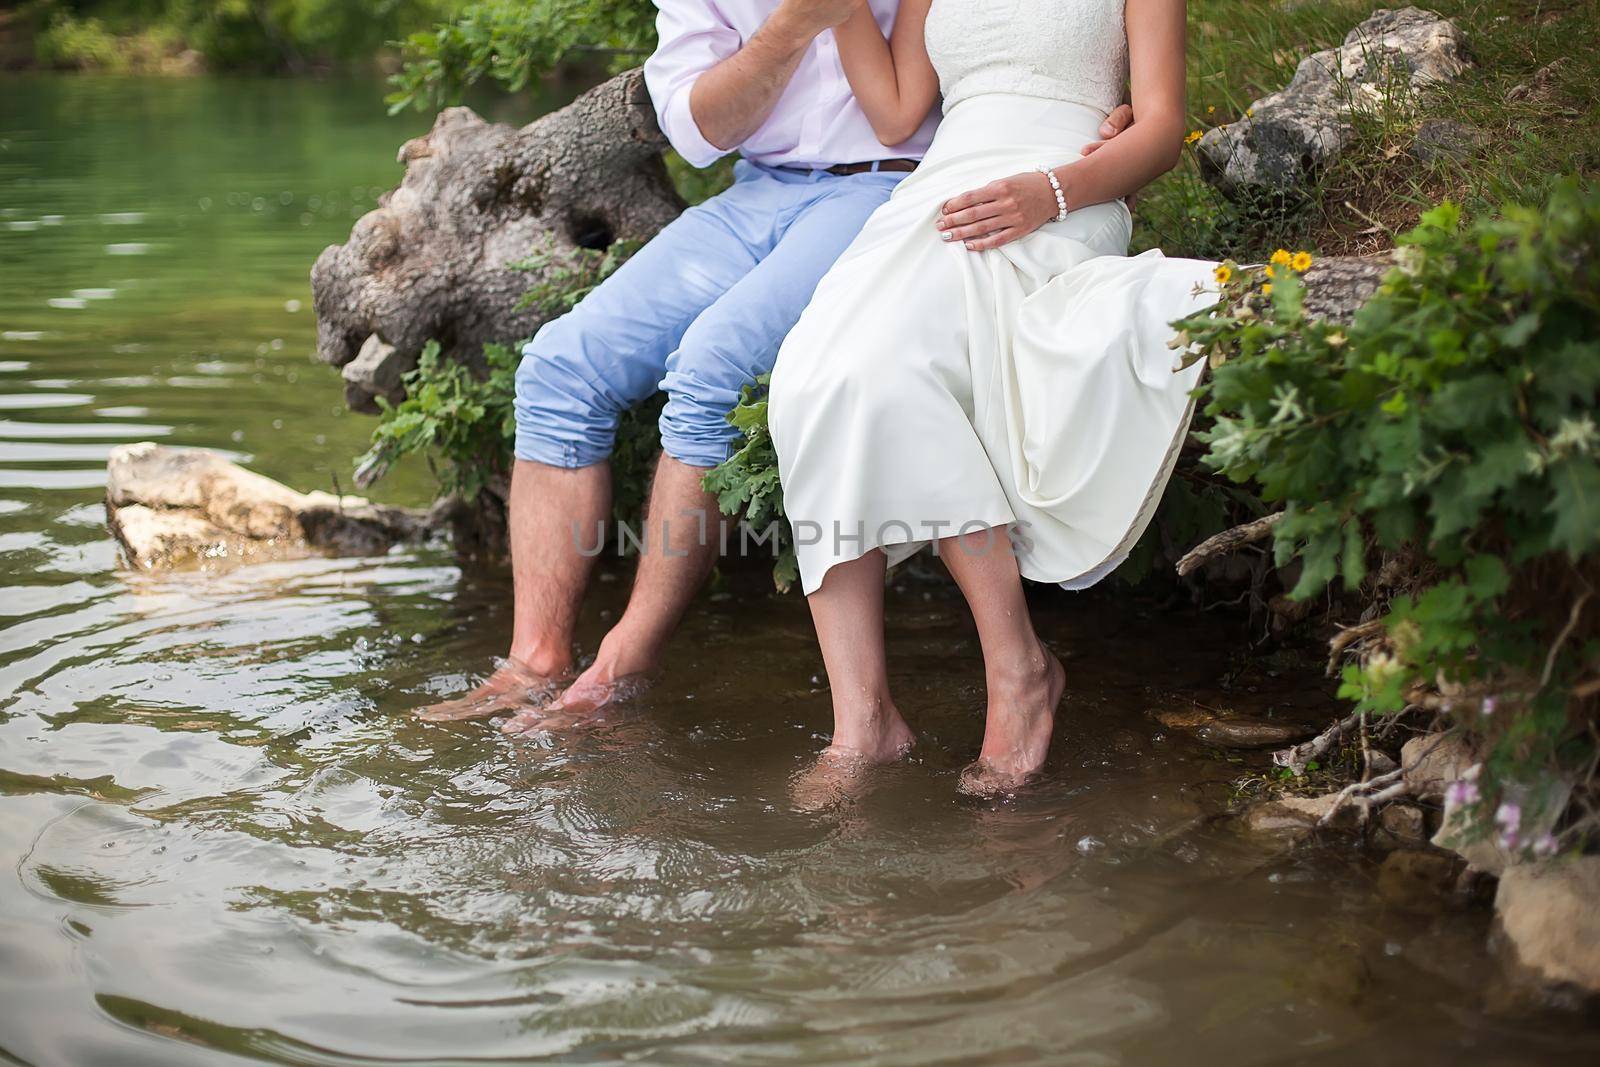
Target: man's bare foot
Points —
{"points": [[513, 685], [1016, 739], [843, 769], [599, 687]]}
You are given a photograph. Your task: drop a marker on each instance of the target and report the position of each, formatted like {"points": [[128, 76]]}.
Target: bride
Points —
{"points": [[985, 370]]}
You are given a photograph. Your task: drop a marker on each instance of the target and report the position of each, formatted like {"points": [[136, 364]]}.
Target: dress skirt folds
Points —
{"points": [[929, 391]]}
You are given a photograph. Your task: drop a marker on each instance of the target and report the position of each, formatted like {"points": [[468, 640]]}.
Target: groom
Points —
{"points": [[698, 313]]}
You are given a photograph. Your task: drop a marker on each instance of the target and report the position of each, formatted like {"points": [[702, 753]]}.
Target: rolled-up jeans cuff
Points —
{"points": [[556, 452], [697, 452]]}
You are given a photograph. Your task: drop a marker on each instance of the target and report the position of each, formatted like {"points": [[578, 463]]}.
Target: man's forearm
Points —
{"points": [[730, 101]]}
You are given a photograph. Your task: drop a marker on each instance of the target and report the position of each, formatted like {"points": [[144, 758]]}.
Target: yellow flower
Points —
{"points": [[1266, 290], [1194, 135], [1223, 273], [1211, 111], [1280, 258], [1301, 261], [1250, 113]]}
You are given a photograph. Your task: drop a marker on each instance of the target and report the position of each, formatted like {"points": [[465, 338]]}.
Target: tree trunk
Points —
{"points": [[431, 262]]}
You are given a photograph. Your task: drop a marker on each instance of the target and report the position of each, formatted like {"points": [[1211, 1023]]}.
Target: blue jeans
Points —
{"points": [[699, 313]]}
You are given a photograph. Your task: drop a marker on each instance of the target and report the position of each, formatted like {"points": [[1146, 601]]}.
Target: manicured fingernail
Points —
{"points": [[946, 236]]}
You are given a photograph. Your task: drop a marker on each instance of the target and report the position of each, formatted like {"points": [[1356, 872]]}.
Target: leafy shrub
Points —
{"points": [[513, 42], [747, 481], [1450, 424], [565, 280], [461, 423]]}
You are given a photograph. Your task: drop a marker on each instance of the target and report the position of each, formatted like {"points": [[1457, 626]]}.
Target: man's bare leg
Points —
{"points": [[867, 728], [681, 544], [556, 519]]}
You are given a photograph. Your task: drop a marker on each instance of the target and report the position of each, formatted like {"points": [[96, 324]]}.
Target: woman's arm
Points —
{"points": [[1014, 207], [893, 80]]}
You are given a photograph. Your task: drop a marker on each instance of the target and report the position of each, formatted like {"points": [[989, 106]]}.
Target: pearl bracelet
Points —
{"points": [[1055, 186]]}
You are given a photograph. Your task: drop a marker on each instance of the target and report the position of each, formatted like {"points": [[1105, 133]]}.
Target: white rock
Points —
{"points": [[177, 506], [1296, 814], [1302, 127], [1549, 914], [1431, 762]]}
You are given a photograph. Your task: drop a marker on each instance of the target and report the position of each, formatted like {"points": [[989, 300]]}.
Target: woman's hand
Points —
{"points": [[998, 213]]}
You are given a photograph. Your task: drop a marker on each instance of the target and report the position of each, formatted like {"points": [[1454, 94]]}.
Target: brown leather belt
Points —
{"points": [[896, 165]]}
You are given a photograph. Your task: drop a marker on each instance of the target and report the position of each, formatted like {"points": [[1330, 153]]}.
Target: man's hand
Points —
{"points": [[811, 17], [730, 101], [1118, 121]]}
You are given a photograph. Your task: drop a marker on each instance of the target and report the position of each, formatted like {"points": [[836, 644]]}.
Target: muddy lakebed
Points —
{"points": [[224, 837]]}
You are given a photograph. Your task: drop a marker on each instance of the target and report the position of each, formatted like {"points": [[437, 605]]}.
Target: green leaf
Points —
{"points": [[1575, 506]]}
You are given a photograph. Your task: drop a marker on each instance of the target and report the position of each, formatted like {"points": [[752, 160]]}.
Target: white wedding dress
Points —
{"points": [[929, 390]]}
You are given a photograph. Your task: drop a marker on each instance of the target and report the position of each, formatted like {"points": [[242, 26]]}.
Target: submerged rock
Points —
{"points": [[1298, 816], [1417, 880], [1230, 729], [1289, 135], [1549, 916], [171, 507], [1402, 826]]}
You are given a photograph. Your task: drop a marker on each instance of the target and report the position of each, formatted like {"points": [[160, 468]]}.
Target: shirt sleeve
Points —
{"points": [[694, 37]]}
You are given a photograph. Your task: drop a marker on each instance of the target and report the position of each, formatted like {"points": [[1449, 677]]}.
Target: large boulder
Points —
{"points": [[1276, 150], [434, 260], [171, 507], [1431, 762], [1549, 918]]}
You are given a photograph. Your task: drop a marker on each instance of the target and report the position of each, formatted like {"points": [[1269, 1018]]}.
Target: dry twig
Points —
{"points": [[1297, 757], [1349, 636], [1227, 542]]}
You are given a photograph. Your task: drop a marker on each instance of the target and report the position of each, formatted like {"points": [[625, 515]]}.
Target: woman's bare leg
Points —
{"points": [[1024, 680], [867, 728]]}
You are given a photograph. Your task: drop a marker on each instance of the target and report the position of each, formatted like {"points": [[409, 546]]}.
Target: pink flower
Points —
{"points": [[1546, 845], [1460, 793], [1488, 707], [1508, 816]]}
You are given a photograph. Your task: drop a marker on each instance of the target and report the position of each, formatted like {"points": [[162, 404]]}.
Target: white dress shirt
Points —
{"points": [[816, 122]]}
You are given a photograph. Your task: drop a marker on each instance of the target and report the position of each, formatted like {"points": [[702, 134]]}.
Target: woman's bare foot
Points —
{"points": [[842, 770], [1016, 739], [513, 685]]}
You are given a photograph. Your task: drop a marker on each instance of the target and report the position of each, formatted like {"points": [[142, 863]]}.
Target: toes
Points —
{"points": [[983, 779], [521, 723], [460, 710]]}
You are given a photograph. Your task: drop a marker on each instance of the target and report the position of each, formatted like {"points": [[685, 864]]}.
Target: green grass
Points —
{"points": [[1240, 50]]}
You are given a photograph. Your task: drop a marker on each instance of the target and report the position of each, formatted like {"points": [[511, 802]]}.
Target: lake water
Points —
{"points": [[223, 838]]}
